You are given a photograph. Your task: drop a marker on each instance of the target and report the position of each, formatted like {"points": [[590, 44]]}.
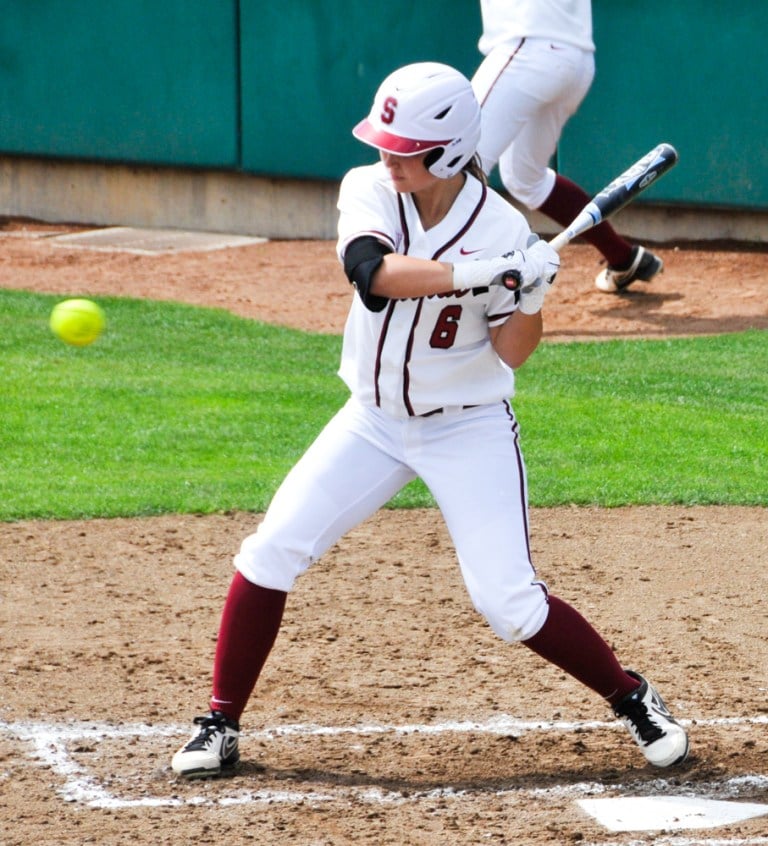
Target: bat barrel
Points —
{"points": [[619, 192], [636, 179]]}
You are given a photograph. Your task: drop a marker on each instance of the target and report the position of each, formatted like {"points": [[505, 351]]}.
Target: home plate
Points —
{"points": [[673, 813], [152, 241]]}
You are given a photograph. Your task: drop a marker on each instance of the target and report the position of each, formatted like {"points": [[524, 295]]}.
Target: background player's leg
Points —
{"points": [[506, 106], [565, 201]]}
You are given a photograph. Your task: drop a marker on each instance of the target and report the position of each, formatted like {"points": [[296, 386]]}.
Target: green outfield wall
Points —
{"points": [[124, 80], [273, 89], [691, 72]]}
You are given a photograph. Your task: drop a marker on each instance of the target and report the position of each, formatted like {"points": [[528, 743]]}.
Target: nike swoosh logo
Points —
{"points": [[469, 252], [228, 747]]}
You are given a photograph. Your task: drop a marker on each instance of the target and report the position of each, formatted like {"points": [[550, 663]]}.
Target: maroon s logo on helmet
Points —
{"points": [[388, 110]]}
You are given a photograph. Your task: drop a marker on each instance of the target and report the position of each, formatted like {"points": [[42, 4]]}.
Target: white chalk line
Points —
{"points": [[667, 840], [50, 748]]}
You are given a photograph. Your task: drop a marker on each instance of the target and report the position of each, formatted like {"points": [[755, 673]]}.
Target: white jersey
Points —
{"points": [[425, 353], [506, 21]]}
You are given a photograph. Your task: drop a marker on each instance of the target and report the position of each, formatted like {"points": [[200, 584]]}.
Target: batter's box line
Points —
{"points": [[677, 840], [50, 744]]}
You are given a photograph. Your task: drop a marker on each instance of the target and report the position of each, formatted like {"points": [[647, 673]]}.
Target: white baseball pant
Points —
{"points": [[471, 462], [527, 95]]}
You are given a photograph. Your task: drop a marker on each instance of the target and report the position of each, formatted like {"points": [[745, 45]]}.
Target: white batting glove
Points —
{"points": [[484, 272], [532, 297], [516, 270], [545, 259]]}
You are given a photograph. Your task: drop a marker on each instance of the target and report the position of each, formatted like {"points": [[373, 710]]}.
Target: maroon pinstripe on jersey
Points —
{"points": [[422, 353]]}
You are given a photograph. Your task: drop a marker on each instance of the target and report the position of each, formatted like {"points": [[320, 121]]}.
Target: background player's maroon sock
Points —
{"points": [[249, 624], [565, 201], [569, 641]]}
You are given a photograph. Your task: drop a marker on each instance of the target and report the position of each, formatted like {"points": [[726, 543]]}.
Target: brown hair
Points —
{"points": [[474, 168]]}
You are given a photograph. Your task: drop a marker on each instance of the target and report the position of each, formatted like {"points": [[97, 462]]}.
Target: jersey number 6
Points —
{"points": [[446, 326]]}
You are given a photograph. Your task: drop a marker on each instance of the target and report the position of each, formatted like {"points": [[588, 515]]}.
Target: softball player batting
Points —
{"points": [[539, 65], [431, 343]]}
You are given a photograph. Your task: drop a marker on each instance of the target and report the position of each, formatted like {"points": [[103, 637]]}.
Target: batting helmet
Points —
{"points": [[425, 106]]}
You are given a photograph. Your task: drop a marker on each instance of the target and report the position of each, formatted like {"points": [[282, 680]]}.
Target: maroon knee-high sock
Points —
{"points": [[569, 641], [565, 201], [250, 622]]}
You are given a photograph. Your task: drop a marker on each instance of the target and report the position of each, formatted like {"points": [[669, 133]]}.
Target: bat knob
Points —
{"points": [[511, 280]]}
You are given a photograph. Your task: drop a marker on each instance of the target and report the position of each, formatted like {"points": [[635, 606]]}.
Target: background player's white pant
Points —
{"points": [[469, 459], [527, 95]]}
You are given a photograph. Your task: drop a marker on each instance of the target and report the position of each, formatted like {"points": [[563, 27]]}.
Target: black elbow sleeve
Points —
{"points": [[362, 259]]}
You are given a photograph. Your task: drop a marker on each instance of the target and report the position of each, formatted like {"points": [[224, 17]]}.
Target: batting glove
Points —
{"points": [[516, 270], [532, 297]]}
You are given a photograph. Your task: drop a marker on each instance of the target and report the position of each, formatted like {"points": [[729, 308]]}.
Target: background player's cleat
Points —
{"points": [[212, 748], [662, 740], [644, 266]]}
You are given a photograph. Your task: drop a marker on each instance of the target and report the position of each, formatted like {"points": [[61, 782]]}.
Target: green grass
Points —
{"points": [[631, 422], [173, 409], [181, 409]]}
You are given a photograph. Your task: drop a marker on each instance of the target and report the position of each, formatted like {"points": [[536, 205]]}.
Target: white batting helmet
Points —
{"points": [[425, 106]]}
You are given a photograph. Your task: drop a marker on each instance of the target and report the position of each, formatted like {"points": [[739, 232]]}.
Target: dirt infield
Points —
{"points": [[388, 713], [300, 284]]}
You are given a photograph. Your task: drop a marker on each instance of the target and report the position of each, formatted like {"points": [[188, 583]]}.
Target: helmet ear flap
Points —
{"points": [[433, 157]]}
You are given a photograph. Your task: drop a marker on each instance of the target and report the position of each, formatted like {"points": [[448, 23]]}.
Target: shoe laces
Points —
{"points": [[209, 726], [636, 711]]}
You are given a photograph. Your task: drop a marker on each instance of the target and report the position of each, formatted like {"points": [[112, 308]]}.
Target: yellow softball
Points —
{"points": [[78, 322]]}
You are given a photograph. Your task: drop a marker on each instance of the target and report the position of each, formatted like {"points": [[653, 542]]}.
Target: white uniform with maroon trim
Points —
{"points": [[426, 353], [539, 65], [429, 400]]}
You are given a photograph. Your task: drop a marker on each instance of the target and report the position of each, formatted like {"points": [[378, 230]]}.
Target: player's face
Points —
{"points": [[408, 173]]}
